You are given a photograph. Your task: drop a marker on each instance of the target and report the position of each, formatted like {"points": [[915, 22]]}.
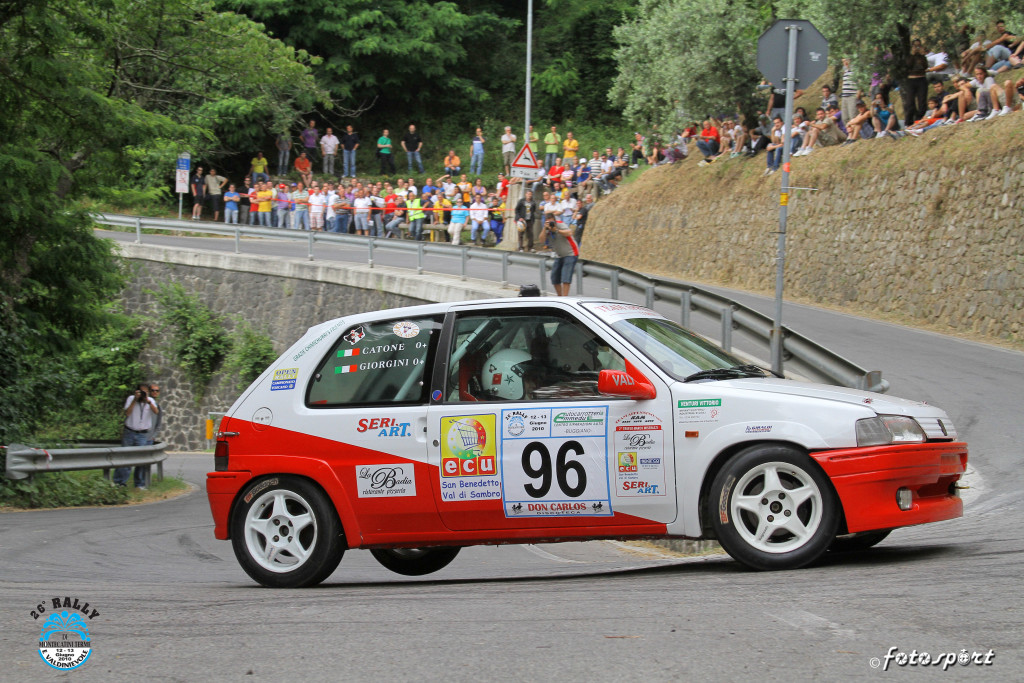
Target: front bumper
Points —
{"points": [[221, 489], [867, 479]]}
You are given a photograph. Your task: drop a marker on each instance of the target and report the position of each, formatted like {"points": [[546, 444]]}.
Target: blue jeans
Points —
{"points": [[476, 162], [231, 216], [362, 224], [707, 147], [414, 156], [329, 164], [283, 157], [392, 227], [562, 269], [549, 159], [282, 217], [348, 163], [265, 219], [300, 220], [130, 438], [257, 177], [498, 228], [774, 158], [478, 224], [416, 228]]}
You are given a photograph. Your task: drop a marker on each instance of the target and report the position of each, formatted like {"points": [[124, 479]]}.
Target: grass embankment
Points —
{"points": [[82, 489]]}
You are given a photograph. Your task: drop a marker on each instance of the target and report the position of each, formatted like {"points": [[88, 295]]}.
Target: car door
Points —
{"points": [[522, 439]]}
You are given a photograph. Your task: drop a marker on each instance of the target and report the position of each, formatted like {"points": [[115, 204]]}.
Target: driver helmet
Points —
{"points": [[502, 374]]}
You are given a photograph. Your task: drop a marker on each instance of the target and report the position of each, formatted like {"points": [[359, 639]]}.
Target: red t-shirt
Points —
{"points": [[503, 188], [302, 165], [555, 172], [711, 132]]}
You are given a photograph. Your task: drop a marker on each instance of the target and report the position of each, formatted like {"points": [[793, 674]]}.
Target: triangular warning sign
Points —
{"points": [[525, 158]]}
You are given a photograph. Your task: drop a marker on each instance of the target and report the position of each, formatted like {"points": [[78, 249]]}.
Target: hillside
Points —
{"points": [[927, 231]]}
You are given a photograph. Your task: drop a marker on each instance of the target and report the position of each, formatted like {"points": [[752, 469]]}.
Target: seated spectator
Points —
{"points": [[395, 218], [452, 163], [883, 117], [860, 121], [465, 189], [774, 148], [460, 214], [305, 168], [555, 171], [932, 117], [258, 168], [496, 208], [740, 138], [833, 111], [939, 68], [478, 191], [638, 148], [480, 219], [708, 142], [828, 98], [988, 94], [823, 131]]}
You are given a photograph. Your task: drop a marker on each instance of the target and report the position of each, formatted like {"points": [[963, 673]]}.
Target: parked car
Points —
{"points": [[413, 432]]}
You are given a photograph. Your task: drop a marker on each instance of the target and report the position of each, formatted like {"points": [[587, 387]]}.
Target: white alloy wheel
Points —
{"points": [[777, 507], [280, 531]]}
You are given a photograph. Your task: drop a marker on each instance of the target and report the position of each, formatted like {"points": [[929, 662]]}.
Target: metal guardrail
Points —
{"points": [[23, 462], [805, 357]]}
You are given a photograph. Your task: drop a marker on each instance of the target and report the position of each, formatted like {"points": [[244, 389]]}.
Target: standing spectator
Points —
{"points": [[460, 214], [158, 417], [502, 187], [915, 88], [452, 163], [416, 216], [305, 168], [552, 147], [330, 215], [442, 209], [526, 214], [476, 151], [245, 203], [533, 139], [582, 211], [566, 252], [570, 146], [361, 212], [300, 207], [317, 204], [310, 137], [465, 188], [139, 411], [478, 215], [329, 148], [231, 199], [264, 203], [282, 205], [708, 142], [508, 148], [848, 92], [342, 212], [387, 163], [412, 143], [284, 152], [349, 145], [198, 187], [215, 191], [258, 168]]}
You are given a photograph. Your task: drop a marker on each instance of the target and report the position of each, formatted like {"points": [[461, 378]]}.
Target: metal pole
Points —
{"points": [[179, 206], [238, 239], [310, 245], [138, 231], [529, 64], [780, 259]]}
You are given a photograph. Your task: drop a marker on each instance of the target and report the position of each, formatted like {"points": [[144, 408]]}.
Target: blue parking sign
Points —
{"points": [[184, 161]]}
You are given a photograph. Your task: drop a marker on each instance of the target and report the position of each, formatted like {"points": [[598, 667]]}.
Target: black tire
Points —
{"points": [[415, 561], [303, 558], [861, 541], [773, 529]]}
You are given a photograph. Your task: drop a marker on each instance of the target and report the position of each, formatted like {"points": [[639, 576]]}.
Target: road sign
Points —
{"points": [[184, 162], [181, 181], [811, 53], [525, 164]]}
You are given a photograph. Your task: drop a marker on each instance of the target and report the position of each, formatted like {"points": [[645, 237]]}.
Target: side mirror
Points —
{"points": [[629, 384]]}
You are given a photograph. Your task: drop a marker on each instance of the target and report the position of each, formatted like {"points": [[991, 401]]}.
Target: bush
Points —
{"points": [[251, 353], [61, 489], [197, 340]]}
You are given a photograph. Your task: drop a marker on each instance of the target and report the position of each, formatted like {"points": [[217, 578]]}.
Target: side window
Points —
{"points": [[375, 363], [525, 357]]}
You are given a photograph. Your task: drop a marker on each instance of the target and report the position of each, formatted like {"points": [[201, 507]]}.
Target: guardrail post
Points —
{"points": [[727, 328], [419, 258], [310, 245], [370, 244], [649, 298], [579, 278], [613, 281], [138, 230], [238, 239], [504, 269], [465, 257], [685, 305], [541, 273]]}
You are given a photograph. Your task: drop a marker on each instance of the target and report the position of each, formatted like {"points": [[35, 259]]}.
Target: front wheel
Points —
{"points": [[286, 533], [773, 508], [415, 561]]}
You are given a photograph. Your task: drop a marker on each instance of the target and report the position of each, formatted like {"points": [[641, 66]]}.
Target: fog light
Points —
{"points": [[904, 498]]}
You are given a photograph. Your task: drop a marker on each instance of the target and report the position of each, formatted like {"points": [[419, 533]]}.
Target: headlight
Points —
{"points": [[887, 429]]}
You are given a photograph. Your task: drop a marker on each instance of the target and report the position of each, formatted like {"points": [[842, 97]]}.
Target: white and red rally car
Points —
{"points": [[415, 431]]}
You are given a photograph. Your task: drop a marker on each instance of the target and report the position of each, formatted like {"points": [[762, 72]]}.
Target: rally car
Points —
{"points": [[413, 432]]}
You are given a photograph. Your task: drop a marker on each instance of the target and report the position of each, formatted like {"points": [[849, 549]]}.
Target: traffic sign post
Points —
{"points": [[806, 53], [525, 165], [181, 172]]}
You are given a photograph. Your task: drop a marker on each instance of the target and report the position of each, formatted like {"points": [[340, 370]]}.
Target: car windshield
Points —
{"points": [[679, 352]]}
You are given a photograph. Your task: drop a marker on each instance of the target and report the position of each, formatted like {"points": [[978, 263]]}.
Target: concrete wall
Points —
{"points": [[926, 230], [279, 297]]}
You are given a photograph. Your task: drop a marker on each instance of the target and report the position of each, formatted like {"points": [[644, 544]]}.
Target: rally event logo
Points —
{"points": [[64, 640]]}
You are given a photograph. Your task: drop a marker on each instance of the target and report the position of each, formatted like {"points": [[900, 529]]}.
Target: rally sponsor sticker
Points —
{"points": [[406, 329], [284, 379], [385, 481], [639, 440], [469, 458], [698, 410]]}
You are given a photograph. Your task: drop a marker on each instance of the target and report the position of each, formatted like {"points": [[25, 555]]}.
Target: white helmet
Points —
{"points": [[502, 374]]}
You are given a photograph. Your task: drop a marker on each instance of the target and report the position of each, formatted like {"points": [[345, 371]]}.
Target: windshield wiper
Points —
{"points": [[735, 372]]}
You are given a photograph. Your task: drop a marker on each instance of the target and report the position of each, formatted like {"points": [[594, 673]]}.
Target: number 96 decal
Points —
{"points": [[546, 473]]}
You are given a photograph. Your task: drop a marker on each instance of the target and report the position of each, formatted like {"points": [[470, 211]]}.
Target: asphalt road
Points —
{"points": [[174, 605]]}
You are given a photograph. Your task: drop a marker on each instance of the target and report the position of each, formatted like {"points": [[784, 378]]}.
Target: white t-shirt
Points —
{"points": [[508, 142], [329, 201], [362, 206], [984, 85], [449, 189], [607, 165], [141, 416], [553, 209], [329, 143], [478, 211], [412, 190], [936, 58], [317, 202]]}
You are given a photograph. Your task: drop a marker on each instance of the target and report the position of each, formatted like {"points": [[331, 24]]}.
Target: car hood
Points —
{"points": [[880, 403]]}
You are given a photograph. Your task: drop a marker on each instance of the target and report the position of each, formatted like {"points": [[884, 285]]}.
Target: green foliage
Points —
{"points": [[251, 353], [61, 489], [197, 337]]}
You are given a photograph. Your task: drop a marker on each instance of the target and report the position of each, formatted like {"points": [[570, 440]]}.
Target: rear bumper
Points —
{"points": [[867, 479], [221, 490]]}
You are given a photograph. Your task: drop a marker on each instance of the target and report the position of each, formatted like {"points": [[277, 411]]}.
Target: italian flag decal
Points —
{"points": [[342, 353], [342, 369]]}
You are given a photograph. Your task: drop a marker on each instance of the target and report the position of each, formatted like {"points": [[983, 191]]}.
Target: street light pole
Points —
{"points": [[529, 64]]}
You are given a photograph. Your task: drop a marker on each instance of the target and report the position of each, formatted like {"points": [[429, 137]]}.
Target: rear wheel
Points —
{"points": [[773, 508], [415, 561], [862, 541], [286, 533]]}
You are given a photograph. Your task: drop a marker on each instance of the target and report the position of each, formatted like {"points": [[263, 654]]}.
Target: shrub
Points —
{"points": [[197, 337]]}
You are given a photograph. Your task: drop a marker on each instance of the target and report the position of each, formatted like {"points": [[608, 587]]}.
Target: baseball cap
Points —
{"points": [[282, 186]]}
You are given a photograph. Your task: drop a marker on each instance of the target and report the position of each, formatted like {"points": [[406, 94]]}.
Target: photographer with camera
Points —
{"points": [[140, 412]]}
